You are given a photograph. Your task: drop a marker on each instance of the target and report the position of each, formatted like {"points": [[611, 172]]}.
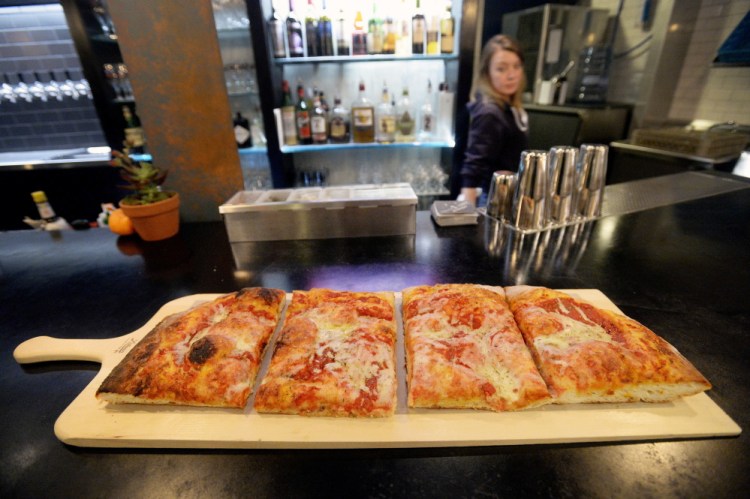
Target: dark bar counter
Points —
{"points": [[682, 269]]}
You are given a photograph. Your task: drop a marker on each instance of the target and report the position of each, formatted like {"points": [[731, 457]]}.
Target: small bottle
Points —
{"points": [[319, 122], [242, 134], [45, 209], [404, 118], [339, 126], [445, 113], [418, 32], [302, 117], [389, 36], [276, 29], [288, 116], [359, 36], [433, 31], [403, 30], [134, 137], [375, 32], [342, 34], [427, 117], [447, 31], [294, 33], [363, 118], [385, 119]]}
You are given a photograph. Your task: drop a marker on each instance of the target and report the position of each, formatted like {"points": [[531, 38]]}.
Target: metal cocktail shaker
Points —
{"points": [[562, 184], [529, 202], [592, 174], [500, 197]]}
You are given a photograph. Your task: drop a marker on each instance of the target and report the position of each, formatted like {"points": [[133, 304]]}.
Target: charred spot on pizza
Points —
{"points": [[270, 296], [202, 350]]}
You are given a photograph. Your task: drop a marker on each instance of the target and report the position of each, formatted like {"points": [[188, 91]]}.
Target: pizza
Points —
{"points": [[335, 356], [588, 354], [464, 350], [208, 355]]}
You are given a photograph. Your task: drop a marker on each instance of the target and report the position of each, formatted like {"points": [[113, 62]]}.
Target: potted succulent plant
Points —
{"points": [[155, 212]]}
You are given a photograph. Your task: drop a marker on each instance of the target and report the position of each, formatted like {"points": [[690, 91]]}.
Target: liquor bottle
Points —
{"points": [[375, 32], [276, 29], [319, 122], [418, 32], [359, 36], [242, 134], [339, 126], [447, 30], [302, 117], [389, 36], [325, 32], [323, 102], [45, 209], [288, 116], [363, 117], [294, 33], [404, 118], [342, 34], [433, 30], [256, 128], [445, 113], [385, 117], [135, 140], [403, 30], [311, 30], [427, 117]]}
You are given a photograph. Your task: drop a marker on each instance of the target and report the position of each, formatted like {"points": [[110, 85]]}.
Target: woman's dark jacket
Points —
{"points": [[495, 143]]}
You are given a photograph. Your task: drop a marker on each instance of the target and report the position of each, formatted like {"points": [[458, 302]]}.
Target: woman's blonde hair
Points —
{"points": [[483, 84]]}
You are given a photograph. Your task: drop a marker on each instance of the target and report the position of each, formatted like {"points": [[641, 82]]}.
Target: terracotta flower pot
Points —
{"points": [[156, 221]]}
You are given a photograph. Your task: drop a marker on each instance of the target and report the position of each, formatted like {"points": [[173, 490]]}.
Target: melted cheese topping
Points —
{"points": [[464, 350], [572, 333], [335, 356]]}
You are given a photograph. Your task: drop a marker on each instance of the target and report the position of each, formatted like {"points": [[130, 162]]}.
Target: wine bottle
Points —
{"points": [[135, 140], [433, 30], [276, 29], [385, 118], [325, 32], [418, 29], [302, 117], [363, 117], [288, 116], [242, 134], [339, 126], [375, 32], [294, 33], [389, 36], [311, 31]]}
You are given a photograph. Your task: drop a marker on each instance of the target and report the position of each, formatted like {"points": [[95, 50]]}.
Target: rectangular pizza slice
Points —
{"points": [[588, 354], [208, 355], [464, 350], [335, 356]]}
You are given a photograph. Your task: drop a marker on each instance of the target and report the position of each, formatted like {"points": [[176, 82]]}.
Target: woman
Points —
{"points": [[499, 126]]}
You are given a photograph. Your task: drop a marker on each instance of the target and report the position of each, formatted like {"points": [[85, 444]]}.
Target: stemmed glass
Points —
{"points": [[37, 89], [22, 90], [6, 91], [53, 88]]}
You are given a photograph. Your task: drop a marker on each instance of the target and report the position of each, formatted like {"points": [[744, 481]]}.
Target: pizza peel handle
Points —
{"points": [[46, 348]]}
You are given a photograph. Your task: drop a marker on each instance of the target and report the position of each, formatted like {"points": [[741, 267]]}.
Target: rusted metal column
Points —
{"points": [[172, 53]]}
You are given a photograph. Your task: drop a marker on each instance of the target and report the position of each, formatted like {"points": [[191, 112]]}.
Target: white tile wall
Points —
{"points": [[703, 91]]}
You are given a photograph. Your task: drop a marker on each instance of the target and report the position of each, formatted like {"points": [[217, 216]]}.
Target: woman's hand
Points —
{"points": [[469, 194]]}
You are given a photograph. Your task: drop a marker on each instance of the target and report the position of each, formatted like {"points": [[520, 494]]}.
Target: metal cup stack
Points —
{"points": [[551, 189]]}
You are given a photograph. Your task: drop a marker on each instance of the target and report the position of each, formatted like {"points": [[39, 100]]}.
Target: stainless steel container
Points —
{"points": [[562, 184], [321, 213], [500, 197], [529, 202], [592, 174]]}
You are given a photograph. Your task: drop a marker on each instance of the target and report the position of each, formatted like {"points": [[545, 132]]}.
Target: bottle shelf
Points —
{"points": [[252, 150], [364, 58], [233, 33], [368, 145]]}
